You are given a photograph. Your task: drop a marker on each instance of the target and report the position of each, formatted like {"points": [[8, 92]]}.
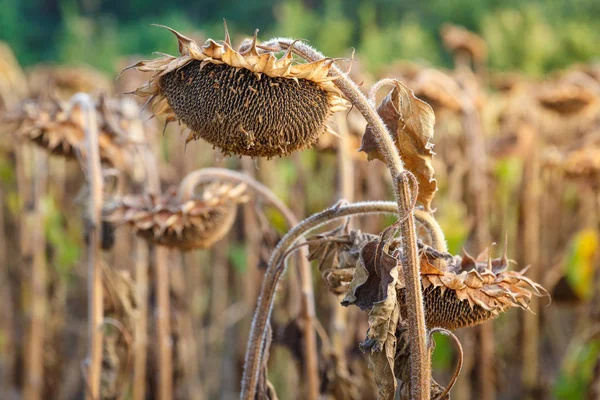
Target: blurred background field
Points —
{"points": [[525, 83], [532, 37]]}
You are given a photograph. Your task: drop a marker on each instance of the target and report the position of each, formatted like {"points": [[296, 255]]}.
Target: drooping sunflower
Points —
{"points": [[60, 128], [466, 292], [246, 102], [172, 220]]}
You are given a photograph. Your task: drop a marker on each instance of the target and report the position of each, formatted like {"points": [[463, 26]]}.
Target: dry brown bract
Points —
{"points": [[59, 128], [168, 220], [245, 102]]}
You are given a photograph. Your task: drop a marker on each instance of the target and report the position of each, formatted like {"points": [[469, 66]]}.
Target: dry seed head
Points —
{"points": [[245, 102], [59, 128], [472, 290], [166, 219], [565, 99]]}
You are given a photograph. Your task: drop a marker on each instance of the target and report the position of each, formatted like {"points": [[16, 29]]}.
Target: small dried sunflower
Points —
{"points": [[245, 102], [60, 128], [187, 224]]}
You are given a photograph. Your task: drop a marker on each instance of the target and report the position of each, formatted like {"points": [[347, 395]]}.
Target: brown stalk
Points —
{"points": [[530, 244], [308, 312], [419, 355], [140, 346], [94, 234], [34, 229], [163, 300], [478, 193], [277, 265]]}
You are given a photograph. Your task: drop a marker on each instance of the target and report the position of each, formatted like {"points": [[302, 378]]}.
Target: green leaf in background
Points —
{"points": [[442, 356], [455, 225], [581, 262], [577, 371], [64, 235], [237, 257]]}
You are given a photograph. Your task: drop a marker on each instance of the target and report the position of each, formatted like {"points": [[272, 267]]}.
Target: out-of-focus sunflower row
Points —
{"points": [[518, 162]]}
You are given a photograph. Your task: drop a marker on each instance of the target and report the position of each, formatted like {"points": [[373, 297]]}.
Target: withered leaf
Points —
{"points": [[381, 338], [383, 320], [370, 282], [410, 122]]}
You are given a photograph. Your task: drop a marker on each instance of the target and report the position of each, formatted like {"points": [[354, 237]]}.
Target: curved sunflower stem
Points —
{"points": [[94, 228], [258, 331], [308, 298], [419, 355]]}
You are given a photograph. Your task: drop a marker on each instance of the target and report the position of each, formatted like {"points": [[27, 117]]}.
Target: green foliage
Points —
{"points": [[530, 35], [580, 262], [577, 372], [63, 234]]}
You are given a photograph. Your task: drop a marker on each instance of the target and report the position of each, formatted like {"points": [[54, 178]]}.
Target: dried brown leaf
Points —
{"points": [[410, 122], [370, 282]]}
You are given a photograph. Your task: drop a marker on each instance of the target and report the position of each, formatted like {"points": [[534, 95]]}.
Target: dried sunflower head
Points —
{"points": [[186, 224], [468, 292], [60, 128], [565, 99], [458, 39], [246, 102], [472, 290], [64, 81]]}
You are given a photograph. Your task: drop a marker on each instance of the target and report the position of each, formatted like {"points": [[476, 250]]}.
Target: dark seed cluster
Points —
{"points": [[445, 310], [242, 113]]}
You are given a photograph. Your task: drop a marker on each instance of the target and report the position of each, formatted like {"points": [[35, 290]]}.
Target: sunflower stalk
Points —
{"points": [[163, 299], [94, 234], [307, 299], [277, 265], [419, 356]]}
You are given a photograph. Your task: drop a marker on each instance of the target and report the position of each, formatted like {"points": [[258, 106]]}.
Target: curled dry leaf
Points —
{"points": [[374, 289], [371, 277], [410, 122], [167, 220], [120, 312], [337, 254]]}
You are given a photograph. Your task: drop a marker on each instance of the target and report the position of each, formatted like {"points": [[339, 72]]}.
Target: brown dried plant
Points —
{"points": [[177, 221], [246, 102], [56, 126]]}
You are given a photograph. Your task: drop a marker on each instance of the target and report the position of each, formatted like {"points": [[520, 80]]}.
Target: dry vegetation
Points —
{"points": [[135, 264]]}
